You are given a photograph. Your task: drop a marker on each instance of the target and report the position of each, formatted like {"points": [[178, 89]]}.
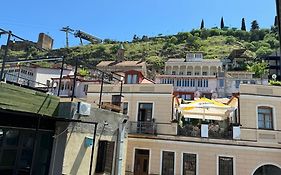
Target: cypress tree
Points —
{"points": [[202, 24], [222, 23], [276, 22], [255, 25], [243, 25]]}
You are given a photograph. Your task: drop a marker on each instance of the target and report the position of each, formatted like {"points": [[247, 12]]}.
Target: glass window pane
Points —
{"points": [[265, 117], [8, 158], [12, 137], [225, 166], [168, 163], [189, 164]]}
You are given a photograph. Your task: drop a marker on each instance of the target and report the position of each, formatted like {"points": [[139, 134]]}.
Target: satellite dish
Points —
{"points": [[274, 76]]}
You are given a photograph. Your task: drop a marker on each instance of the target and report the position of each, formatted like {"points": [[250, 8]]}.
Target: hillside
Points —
{"points": [[214, 43]]}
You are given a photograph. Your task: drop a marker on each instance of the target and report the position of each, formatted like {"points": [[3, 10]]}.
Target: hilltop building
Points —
{"points": [[192, 77]]}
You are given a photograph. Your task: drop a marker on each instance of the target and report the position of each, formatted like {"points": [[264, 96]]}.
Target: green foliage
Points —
{"points": [[263, 51], [275, 83], [202, 24], [243, 25], [222, 23], [254, 25], [216, 43], [260, 69], [83, 72], [156, 61]]}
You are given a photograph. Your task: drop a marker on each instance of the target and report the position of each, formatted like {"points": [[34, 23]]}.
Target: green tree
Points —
{"points": [[255, 25], [222, 23], [275, 21], [174, 40], [156, 61], [83, 72], [243, 25], [263, 51], [202, 24], [260, 69]]}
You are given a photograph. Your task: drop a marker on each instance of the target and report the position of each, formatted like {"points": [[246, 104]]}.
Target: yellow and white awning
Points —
{"points": [[204, 108]]}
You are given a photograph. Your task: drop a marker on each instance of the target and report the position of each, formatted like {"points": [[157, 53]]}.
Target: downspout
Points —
{"points": [[116, 153], [121, 147], [238, 97]]}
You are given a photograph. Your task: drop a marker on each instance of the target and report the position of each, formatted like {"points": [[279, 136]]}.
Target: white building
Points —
{"points": [[33, 76], [66, 88], [229, 83], [193, 76]]}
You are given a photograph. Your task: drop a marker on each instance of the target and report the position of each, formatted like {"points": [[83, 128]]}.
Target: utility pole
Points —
{"points": [[67, 30], [5, 55]]}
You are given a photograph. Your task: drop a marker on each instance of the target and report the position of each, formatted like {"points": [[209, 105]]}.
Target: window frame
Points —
{"points": [[137, 109], [161, 159], [197, 162], [272, 117], [233, 163]]}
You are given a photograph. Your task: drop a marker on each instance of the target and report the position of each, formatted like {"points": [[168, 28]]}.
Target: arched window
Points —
{"points": [[265, 117], [268, 170]]}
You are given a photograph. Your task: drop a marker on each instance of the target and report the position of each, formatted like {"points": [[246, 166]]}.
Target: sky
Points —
{"points": [[120, 20]]}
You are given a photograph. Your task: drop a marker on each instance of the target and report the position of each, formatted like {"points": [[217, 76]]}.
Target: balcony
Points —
{"points": [[213, 131], [143, 128]]}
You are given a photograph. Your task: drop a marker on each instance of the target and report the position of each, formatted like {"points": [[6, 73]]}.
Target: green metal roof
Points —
{"points": [[26, 100]]}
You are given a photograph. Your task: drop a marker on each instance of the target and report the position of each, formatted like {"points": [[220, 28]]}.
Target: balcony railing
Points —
{"points": [[143, 128], [214, 131]]}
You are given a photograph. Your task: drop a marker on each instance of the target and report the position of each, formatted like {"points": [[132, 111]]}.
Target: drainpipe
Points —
{"points": [[120, 157]]}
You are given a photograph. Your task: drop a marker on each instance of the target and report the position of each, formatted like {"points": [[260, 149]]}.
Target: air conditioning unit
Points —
{"points": [[84, 108]]}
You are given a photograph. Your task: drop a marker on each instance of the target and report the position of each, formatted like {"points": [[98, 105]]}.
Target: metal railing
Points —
{"points": [[25, 82], [214, 131], [143, 128]]}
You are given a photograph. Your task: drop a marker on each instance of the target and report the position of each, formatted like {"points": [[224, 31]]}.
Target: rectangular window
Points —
{"points": [[237, 83], [199, 83], [173, 72], [105, 157], [204, 73], [181, 73], [129, 79], [265, 118], [85, 89], [168, 161], [145, 112], [221, 83], [125, 108], [134, 79], [225, 165], [189, 164], [188, 73], [197, 73]]}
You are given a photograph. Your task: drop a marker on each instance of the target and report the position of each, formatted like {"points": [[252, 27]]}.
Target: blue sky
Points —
{"points": [[120, 20]]}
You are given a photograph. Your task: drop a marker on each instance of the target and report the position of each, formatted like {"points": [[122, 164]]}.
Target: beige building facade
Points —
{"points": [[157, 145]]}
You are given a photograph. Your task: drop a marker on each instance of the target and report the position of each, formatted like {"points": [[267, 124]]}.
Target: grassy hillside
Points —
{"points": [[215, 43]]}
